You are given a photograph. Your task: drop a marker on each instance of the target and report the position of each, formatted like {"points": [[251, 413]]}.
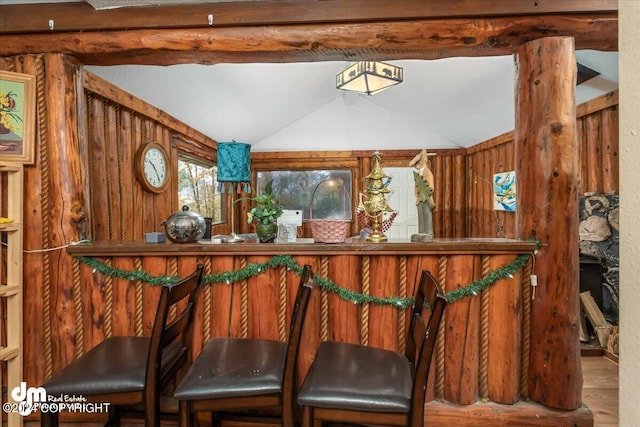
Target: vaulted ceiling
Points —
{"points": [[452, 102]]}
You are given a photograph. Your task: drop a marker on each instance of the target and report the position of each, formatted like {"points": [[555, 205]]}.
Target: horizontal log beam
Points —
{"points": [[80, 16], [416, 39]]}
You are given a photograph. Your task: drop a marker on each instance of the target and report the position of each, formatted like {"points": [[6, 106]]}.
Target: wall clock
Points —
{"points": [[152, 167]]}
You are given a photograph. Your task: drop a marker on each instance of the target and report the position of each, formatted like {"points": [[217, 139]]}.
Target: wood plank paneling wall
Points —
{"points": [[121, 208], [597, 133], [117, 126], [597, 127]]}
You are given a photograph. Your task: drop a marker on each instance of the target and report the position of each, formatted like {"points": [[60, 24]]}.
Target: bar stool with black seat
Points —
{"points": [[355, 384], [247, 379], [130, 372]]}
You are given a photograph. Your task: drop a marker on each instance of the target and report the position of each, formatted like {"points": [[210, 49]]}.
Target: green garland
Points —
{"points": [[251, 270], [506, 271]]}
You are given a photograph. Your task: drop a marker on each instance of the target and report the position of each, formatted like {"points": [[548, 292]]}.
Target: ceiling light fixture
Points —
{"points": [[369, 77]]}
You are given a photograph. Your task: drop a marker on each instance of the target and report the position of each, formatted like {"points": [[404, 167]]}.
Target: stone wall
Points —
{"points": [[599, 237]]}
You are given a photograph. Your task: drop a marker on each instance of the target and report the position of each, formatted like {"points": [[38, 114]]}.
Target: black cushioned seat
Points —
{"points": [[116, 366], [247, 379], [131, 372], [230, 367], [357, 384], [362, 383]]}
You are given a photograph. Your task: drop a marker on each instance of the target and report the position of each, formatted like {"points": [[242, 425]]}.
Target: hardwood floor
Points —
{"points": [[600, 390]]}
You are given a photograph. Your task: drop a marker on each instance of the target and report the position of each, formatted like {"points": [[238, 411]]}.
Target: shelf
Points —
{"points": [[9, 290], [9, 353], [4, 167], [10, 226], [12, 272]]}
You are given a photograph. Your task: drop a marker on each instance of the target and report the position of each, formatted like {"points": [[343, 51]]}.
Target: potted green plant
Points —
{"points": [[265, 213]]}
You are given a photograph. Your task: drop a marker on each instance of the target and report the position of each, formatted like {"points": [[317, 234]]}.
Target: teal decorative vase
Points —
{"points": [[265, 231]]}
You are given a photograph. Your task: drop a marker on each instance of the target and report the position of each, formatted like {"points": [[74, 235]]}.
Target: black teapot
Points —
{"points": [[184, 226]]}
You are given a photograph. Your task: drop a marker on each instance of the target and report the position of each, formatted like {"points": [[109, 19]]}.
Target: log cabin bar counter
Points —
{"points": [[481, 365]]}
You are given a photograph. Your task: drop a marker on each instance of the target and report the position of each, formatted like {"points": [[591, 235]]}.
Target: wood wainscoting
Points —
{"points": [[481, 363]]}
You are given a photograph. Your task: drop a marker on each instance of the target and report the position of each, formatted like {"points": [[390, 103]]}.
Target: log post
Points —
{"points": [[546, 155], [68, 207]]}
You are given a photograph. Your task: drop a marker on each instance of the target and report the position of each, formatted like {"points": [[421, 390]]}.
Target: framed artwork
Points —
{"points": [[504, 191], [17, 117]]}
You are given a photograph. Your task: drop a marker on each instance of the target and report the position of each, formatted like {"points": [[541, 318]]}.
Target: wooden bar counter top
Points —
{"points": [[306, 246]]}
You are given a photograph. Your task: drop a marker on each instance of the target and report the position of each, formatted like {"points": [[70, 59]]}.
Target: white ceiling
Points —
{"points": [[459, 102]]}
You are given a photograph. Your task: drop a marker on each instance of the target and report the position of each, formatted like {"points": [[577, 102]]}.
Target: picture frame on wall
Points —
{"points": [[17, 117], [504, 191]]}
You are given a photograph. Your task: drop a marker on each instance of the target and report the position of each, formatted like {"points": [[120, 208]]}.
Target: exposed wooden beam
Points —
{"points": [[80, 16], [113, 4], [415, 39]]}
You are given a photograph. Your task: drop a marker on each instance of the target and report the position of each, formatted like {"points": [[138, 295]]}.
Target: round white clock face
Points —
{"points": [[155, 167]]}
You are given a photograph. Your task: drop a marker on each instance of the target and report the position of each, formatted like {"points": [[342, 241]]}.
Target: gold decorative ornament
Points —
{"points": [[374, 203]]}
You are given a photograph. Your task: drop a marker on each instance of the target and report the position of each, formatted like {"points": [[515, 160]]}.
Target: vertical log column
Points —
{"points": [[67, 203], [546, 153]]}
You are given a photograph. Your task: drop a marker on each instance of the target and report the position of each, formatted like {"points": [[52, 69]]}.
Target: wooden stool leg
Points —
{"points": [[306, 416], [49, 419], [185, 414], [114, 417], [316, 421], [215, 420]]}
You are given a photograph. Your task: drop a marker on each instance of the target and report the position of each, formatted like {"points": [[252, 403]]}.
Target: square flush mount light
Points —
{"points": [[369, 77]]}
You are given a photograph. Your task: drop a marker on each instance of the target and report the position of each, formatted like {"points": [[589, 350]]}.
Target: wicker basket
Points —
{"points": [[328, 230]]}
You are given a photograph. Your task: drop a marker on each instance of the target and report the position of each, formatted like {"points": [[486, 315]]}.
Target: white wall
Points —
{"points": [[352, 122], [629, 15]]}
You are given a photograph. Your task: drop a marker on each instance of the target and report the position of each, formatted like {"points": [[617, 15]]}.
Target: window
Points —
{"points": [[198, 189], [294, 189]]}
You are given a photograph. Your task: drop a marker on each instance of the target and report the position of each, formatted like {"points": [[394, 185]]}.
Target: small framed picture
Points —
{"points": [[287, 232], [504, 191], [17, 117]]}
